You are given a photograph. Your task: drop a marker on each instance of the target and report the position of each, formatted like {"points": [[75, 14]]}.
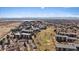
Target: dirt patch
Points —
{"points": [[6, 26]]}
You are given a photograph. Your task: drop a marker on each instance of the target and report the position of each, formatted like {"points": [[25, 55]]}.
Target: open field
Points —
{"points": [[46, 39], [5, 26]]}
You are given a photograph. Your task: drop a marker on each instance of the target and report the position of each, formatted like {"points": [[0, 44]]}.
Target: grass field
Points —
{"points": [[46, 39]]}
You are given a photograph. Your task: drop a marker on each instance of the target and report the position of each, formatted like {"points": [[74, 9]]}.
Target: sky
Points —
{"points": [[20, 12]]}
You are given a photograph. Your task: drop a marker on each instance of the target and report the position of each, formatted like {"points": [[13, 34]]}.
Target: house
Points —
{"points": [[66, 37], [65, 47], [17, 35], [26, 35], [26, 31]]}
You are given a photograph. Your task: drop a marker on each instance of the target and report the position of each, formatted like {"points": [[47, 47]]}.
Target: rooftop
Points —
{"points": [[69, 46]]}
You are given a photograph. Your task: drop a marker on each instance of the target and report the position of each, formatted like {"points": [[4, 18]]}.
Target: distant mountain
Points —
{"points": [[40, 18]]}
